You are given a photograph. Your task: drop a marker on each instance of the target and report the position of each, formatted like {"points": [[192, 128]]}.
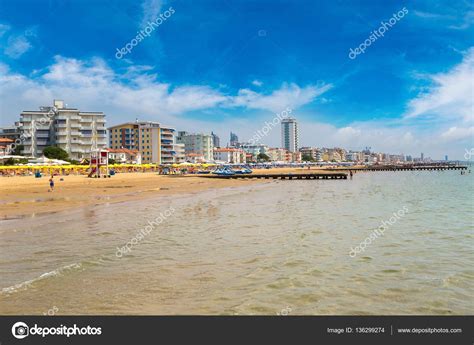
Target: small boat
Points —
{"points": [[224, 172], [203, 172], [243, 171]]}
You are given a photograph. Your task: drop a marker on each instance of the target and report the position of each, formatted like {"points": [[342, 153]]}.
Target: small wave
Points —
{"points": [[24, 285]]}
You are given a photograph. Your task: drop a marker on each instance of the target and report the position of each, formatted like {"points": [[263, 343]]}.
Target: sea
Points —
{"points": [[382, 243]]}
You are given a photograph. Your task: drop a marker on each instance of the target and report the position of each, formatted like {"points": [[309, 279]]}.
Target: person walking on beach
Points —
{"points": [[51, 183], [350, 174]]}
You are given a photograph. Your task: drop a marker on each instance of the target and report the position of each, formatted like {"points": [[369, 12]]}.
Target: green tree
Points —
{"points": [[263, 157], [17, 150], [54, 152], [9, 161], [307, 158]]}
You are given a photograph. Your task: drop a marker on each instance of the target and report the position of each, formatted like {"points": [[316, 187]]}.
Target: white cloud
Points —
{"points": [[455, 133], [430, 15], [289, 95], [451, 96], [468, 20], [151, 10], [94, 85], [17, 46], [257, 83], [3, 29], [348, 133]]}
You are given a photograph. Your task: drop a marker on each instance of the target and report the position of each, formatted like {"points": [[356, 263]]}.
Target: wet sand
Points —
{"points": [[26, 195]]}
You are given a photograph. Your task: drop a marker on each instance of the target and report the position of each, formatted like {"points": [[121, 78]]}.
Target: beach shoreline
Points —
{"points": [[24, 196]]}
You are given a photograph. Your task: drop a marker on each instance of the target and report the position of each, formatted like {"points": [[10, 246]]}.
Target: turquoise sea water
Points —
{"points": [[281, 247]]}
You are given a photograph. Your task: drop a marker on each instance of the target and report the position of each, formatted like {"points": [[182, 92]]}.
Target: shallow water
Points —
{"points": [[279, 247]]}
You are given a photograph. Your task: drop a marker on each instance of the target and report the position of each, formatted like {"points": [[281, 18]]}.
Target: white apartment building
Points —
{"points": [[125, 156], [229, 155], [313, 152], [180, 152], [200, 144], [78, 133], [254, 149], [289, 134]]}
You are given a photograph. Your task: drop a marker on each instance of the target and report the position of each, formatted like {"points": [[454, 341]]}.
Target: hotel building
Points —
{"points": [[313, 152], [77, 132], [277, 154], [155, 142], [289, 134], [200, 144], [254, 149], [229, 155]]}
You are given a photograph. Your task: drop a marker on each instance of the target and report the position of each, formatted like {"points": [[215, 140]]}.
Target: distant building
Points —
{"points": [[5, 146], [254, 149], [289, 134], [422, 157], [278, 154], [234, 139], [155, 142], [216, 142], [230, 155], [77, 132], [125, 156], [11, 132], [354, 156], [446, 158], [195, 158], [196, 144], [312, 152], [180, 153], [295, 157]]}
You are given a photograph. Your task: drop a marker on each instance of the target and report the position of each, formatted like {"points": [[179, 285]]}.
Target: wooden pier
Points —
{"points": [[335, 176], [405, 168]]}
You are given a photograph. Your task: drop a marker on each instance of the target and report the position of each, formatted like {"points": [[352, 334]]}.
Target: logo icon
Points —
{"points": [[20, 330], [469, 153]]}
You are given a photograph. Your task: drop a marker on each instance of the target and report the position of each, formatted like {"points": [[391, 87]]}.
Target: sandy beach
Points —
{"points": [[26, 195]]}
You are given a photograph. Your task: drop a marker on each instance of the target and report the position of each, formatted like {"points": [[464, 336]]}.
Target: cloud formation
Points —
{"points": [[94, 85], [15, 45], [451, 94]]}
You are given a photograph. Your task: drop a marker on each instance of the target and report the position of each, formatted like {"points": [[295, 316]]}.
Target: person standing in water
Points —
{"points": [[350, 174], [51, 183]]}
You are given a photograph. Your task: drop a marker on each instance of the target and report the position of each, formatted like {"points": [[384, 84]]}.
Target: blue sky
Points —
{"points": [[232, 65]]}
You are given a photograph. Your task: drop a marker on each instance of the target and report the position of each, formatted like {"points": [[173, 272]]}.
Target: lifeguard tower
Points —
{"points": [[99, 164]]}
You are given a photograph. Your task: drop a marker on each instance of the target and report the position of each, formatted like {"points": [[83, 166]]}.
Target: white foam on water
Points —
{"points": [[24, 285]]}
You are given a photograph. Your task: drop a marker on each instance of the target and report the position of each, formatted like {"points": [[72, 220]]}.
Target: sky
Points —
{"points": [[391, 75]]}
